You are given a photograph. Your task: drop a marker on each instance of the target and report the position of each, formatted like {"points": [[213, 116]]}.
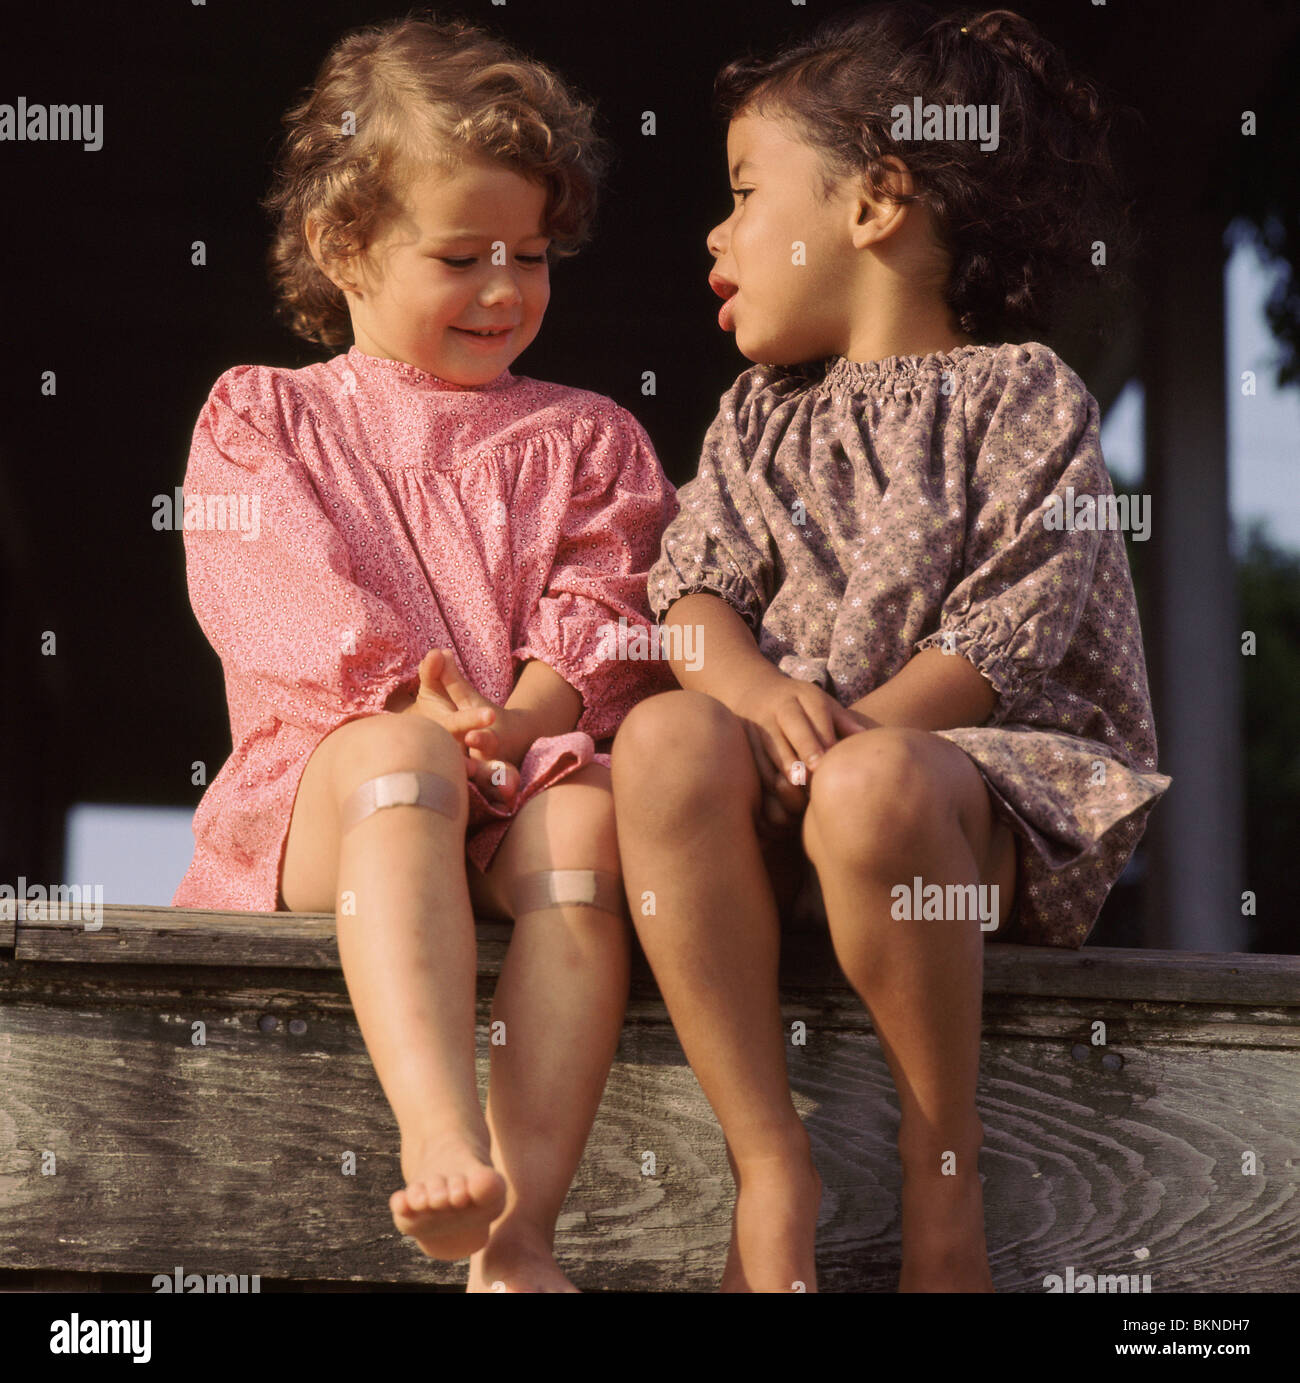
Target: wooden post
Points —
{"points": [[1192, 629]]}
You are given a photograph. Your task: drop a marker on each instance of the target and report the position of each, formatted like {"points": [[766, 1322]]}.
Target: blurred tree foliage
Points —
{"points": [[1269, 592], [1258, 178]]}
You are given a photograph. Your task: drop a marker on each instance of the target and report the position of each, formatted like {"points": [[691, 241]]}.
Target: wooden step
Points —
{"points": [[1170, 1152]]}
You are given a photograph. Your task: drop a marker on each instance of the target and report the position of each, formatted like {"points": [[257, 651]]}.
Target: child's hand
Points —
{"points": [[447, 697], [789, 721]]}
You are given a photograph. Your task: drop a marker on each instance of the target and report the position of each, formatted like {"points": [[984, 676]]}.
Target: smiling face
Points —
{"points": [[430, 281], [784, 311]]}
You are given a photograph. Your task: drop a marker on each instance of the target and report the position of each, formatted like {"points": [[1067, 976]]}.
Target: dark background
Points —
{"points": [[99, 289]]}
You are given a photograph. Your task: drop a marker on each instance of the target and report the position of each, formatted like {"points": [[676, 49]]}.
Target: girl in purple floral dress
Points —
{"points": [[916, 662]]}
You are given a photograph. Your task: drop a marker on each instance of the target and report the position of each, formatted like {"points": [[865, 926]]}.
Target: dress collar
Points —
{"points": [[373, 365], [892, 369]]}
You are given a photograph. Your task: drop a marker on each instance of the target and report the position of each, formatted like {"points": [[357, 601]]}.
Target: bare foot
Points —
{"points": [[516, 1261], [452, 1195], [944, 1249], [774, 1227]]}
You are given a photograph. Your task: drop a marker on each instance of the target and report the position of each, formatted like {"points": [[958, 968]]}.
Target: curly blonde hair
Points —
{"points": [[419, 93]]}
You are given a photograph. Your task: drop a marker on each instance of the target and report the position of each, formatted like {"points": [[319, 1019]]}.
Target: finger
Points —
{"points": [[805, 743], [820, 709], [782, 757], [461, 690], [779, 750], [784, 796], [494, 778], [767, 774], [846, 721], [431, 688], [460, 723], [769, 815], [485, 741], [431, 667]]}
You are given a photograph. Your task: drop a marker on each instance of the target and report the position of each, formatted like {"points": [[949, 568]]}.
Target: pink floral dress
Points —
{"points": [[383, 512]]}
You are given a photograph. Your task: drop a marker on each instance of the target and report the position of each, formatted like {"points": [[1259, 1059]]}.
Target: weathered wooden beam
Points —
{"points": [[126, 1147], [307, 940]]}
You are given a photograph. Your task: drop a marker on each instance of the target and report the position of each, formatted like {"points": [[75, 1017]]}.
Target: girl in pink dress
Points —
{"points": [[413, 565]]}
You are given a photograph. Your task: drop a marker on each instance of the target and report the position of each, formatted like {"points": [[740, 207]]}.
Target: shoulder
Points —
{"points": [[764, 389], [253, 411], [265, 393], [583, 416], [1025, 401], [1026, 391], [1030, 370], [748, 407]]}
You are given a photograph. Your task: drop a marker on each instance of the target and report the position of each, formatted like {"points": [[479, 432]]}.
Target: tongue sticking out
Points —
{"points": [[726, 314]]}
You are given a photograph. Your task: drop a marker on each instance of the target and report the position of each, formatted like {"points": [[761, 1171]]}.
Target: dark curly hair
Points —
{"points": [[1018, 222], [419, 94]]}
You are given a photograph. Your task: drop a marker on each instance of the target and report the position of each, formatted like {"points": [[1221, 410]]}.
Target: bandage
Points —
{"points": [[412, 789], [556, 888]]}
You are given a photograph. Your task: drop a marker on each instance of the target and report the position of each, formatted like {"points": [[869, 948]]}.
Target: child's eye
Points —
{"points": [[741, 191], [464, 261]]}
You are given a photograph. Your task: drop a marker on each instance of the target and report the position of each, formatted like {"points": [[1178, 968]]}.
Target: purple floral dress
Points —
{"points": [[855, 513]]}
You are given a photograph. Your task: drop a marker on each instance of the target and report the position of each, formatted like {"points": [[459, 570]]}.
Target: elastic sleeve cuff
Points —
{"points": [[735, 590], [585, 683], [1006, 679]]}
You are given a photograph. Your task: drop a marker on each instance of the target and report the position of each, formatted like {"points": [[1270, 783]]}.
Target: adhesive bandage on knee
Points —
{"points": [[410, 789], [555, 888]]}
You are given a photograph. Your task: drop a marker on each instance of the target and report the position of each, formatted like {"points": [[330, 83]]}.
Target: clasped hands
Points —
{"points": [[450, 699], [789, 721]]}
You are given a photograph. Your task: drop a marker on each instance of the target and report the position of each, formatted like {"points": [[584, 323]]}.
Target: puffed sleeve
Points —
{"points": [[719, 541], [1026, 579], [616, 511], [276, 595]]}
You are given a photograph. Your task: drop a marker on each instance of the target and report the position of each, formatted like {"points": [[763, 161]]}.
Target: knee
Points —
{"points": [[388, 743], [876, 795], [579, 825], [680, 750]]}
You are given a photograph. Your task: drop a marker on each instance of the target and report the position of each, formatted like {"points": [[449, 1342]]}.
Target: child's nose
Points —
{"points": [[502, 288], [716, 240]]}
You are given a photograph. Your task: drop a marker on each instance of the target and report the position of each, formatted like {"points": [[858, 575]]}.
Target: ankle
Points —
{"points": [[448, 1136], [515, 1231], [952, 1150]]}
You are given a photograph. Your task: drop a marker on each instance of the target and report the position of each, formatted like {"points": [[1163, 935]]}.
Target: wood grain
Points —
{"points": [[227, 1157], [307, 940]]}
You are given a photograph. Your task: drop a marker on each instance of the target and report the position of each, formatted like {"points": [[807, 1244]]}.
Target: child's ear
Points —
{"points": [[876, 214], [333, 269]]}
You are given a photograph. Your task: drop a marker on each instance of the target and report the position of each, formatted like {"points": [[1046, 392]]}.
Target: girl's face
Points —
{"points": [[784, 259], [467, 256]]}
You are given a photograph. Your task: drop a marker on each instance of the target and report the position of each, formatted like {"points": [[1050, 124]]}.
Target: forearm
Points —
{"points": [[541, 704], [729, 660], [934, 691]]}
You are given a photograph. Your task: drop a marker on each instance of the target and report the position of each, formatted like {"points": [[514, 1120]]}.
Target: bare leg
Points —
{"points": [[886, 806], [686, 793], [406, 941], [561, 997]]}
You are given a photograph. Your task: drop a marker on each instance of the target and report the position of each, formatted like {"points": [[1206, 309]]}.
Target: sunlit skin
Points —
{"points": [[803, 279], [839, 300], [431, 274], [468, 251]]}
